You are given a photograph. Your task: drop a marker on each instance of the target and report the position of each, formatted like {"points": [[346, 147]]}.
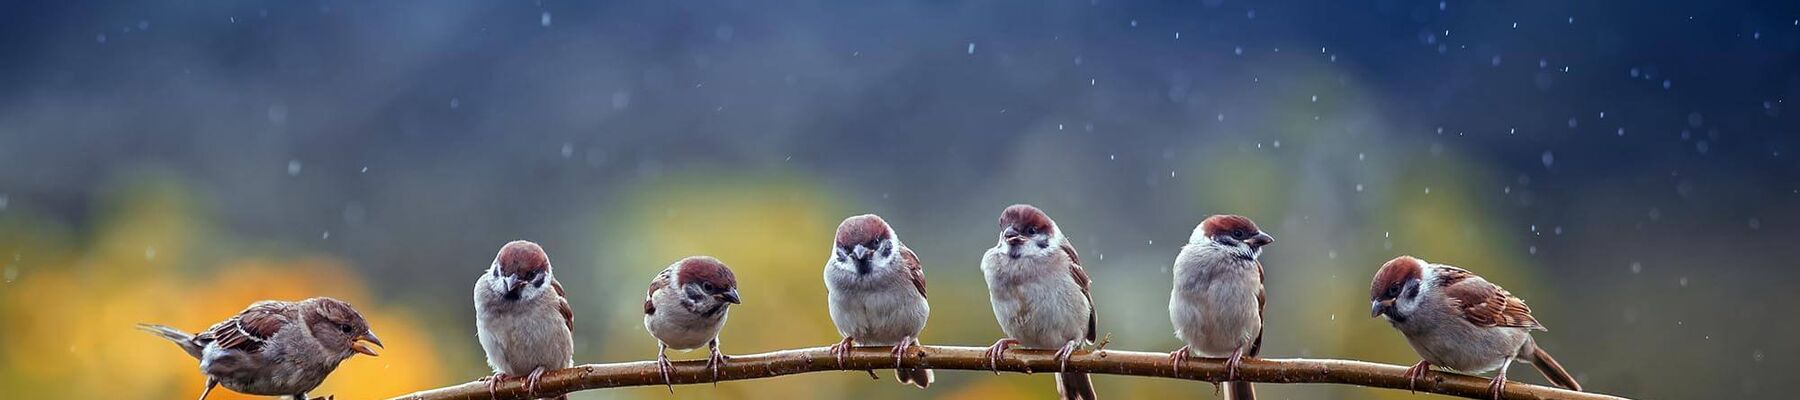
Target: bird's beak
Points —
{"points": [[358, 345], [730, 296], [516, 284], [1378, 307], [860, 253], [1260, 240], [1012, 236]]}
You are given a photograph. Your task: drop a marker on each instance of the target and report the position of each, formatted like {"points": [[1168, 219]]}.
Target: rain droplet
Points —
{"points": [[1359, 187], [568, 150], [1315, 98], [1683, 281], [972, 49], [544, 19], [1238, 50], [326, 235], [1533, 249], [293, 167], [1636, 267], [149, 252], [1574, 122], [100, 38], [1548, 158], [1755, 223], [1756, 356], [1665, 84], [455, 103], [1360, 156], [1621, 131]]}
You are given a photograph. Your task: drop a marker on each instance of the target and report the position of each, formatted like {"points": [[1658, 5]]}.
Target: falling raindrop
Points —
{"points": [[1548, 158], [1636, 267], [293, 168], [972, 50], [544, 19]]}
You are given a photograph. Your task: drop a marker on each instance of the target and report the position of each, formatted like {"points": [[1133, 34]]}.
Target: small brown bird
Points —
{"points": [[1456, 319], [276, 348], [1217, 302], [1040, 293], [521, 317], [685, 308], [876, 292]]}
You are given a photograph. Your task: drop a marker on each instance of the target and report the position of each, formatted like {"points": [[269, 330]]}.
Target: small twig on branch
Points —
{"points": [[1134, 363]]}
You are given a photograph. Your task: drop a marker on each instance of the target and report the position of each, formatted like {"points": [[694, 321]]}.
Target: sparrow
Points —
{"points": [[876, 292], [521, 317], [1217, 303], [1456, 319], [1039, 293], [685, 308], [275, 348]]}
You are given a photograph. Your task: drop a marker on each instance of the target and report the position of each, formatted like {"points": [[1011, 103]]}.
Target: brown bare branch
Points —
{"points": [[1135, 363]]}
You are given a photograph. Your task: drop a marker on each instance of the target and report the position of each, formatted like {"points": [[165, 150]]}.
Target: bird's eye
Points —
{"points": [[1393, 291], [887, 251], [346, 328], [706, 285], [1239, 233]]}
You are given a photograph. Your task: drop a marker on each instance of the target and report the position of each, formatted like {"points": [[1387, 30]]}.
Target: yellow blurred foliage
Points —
{"points": [[70, 313]]}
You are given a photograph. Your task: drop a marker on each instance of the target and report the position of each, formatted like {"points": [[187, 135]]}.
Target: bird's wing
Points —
{"points": [[250, 328], [1261, 303], [914, 271], [1483, 303], [562, 305], [661, 281], [1081, 278]]}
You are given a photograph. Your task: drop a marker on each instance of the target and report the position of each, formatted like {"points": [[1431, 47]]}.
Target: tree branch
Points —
{"points": [[1135, 363]]}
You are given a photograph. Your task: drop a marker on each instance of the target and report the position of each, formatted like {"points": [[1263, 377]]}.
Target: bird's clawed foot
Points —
{"points": [[996, 351], [1178, 356], [714, 360], [900, 350], [842, 349], [1415, 373], [1231, 364], [531, 381], [1063, 355], [493, 383], [1498, 386], [663, 366]]}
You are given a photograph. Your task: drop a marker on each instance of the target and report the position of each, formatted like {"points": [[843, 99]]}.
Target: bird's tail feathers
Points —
{"points": [[1075, 386], [183, 339]]}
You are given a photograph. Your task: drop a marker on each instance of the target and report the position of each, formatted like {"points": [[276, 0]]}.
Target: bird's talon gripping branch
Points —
{"points": [[531, 381], [1231, 364], [1413, 374], [1063, 355], [714, 360], [842, 348], [663, 366], [900, 349], [1177, 357], [996, 351], [493, 383], [1498, 386]]}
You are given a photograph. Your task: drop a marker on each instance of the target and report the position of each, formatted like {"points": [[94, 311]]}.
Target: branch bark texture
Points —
{"points": [[1133, 363]]}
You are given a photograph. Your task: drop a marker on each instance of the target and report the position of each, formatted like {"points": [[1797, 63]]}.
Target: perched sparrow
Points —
{"points": [[877, 292], [1455, 319], [686, 308], [1040, 293], [1217, 303], [276, 348], [521, 317]]}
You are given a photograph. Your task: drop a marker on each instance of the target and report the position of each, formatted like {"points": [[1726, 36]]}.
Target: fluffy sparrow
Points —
{"points": [[1040, 293], [521, 317], [1217, 302], [877, 292], [1455, 319], [685, 309], [275, 348]]}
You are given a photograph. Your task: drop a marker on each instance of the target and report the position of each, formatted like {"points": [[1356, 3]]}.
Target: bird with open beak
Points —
{"points": [[276, 348], [685, 309]]}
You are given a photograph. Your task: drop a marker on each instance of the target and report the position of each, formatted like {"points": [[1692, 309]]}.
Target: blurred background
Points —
{"points": [[1628, 168]]}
